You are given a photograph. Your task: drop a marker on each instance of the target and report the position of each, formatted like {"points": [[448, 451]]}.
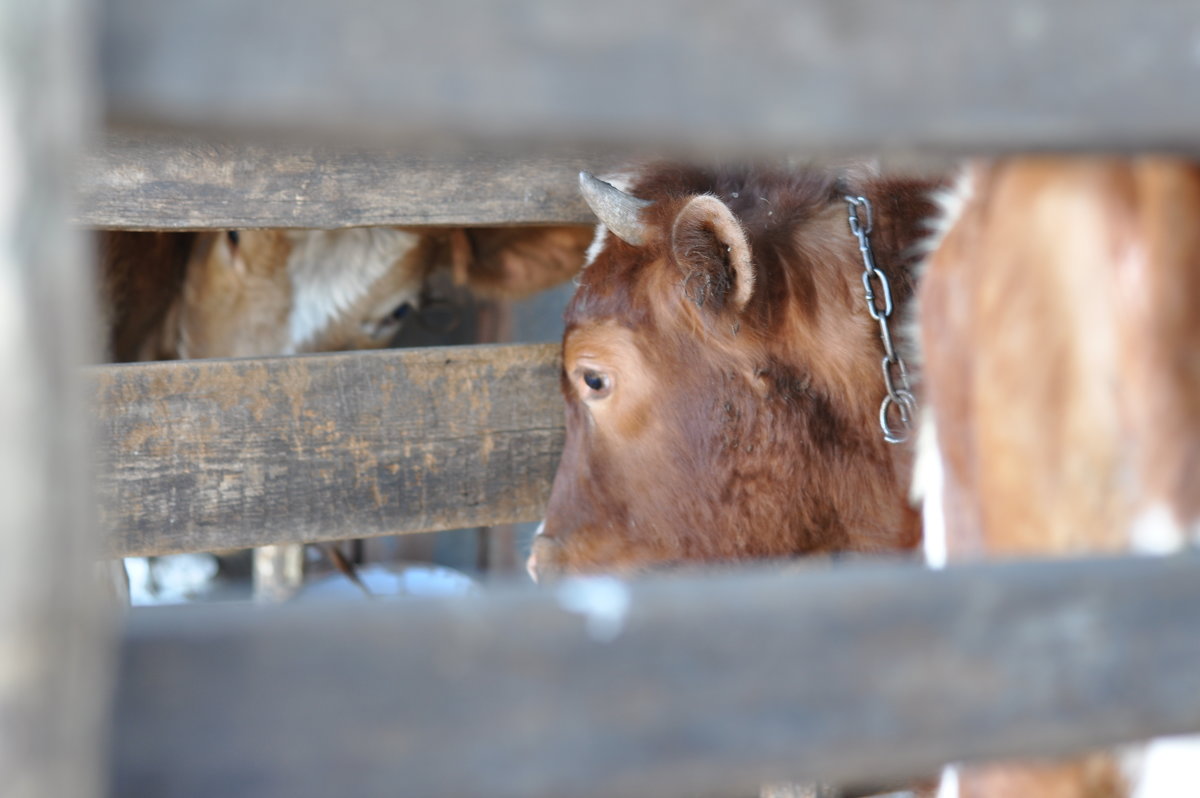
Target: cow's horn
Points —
{"points": [[620, 212]]}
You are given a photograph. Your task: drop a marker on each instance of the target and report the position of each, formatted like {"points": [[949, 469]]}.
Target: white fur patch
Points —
{"points": [[1170, 768], [1156, 532], [948, 786], [951, 202], [928, 488], [597, 245], [331, 270], [929, 474]]}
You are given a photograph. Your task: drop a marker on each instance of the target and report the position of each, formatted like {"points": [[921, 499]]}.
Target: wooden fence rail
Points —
{"points": [[212, 455], [820, 76], [672, 688], [679, 687], [141, 181]]}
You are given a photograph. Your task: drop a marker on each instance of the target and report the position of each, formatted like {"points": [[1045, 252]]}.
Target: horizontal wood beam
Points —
{"points": [[213, 455], [773, 76], [144, 181], [680, 687]]}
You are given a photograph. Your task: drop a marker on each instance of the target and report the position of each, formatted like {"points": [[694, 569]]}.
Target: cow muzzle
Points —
{"points": [[545, 556]]}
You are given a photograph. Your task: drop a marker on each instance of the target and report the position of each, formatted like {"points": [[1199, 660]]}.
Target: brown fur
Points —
{"points": [[1060, 339], [193, 295], [1059, 343], [1095, 776], [513, 262], [1019, 360], [236, 300], [732, 432], [140, 274], [1160, 335]]}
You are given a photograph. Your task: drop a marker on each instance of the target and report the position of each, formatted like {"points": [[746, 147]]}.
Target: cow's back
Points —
{"points": [[1059, 365]]}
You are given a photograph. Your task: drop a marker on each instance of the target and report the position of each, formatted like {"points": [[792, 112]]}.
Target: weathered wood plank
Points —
{"points": [[703, 687], [54, 646], [785, 76], [140, 181], [209, 455]]}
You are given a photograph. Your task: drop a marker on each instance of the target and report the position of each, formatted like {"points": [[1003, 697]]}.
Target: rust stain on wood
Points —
{"points": [[211, 455]]}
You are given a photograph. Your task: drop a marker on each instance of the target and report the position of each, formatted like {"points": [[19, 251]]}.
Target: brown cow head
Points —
{"points": [[722, 376], [268, 292], [265, 292]]}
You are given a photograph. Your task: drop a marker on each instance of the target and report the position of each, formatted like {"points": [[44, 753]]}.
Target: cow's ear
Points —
{"points": [[712, 251], [516, 262]]}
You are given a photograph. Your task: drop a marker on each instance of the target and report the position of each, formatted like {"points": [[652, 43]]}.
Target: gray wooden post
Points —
{"points": [[54, 686], [278, 571]]}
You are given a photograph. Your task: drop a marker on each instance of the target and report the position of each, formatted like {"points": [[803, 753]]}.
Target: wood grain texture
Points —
{"points": [[763, 75], [210, 455], [705, 687], [141, 181]]}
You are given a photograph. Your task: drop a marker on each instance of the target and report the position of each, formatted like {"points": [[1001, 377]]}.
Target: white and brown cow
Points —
{"points": [[722, 375], [1061, 342], [258, 292], [277, 292]]}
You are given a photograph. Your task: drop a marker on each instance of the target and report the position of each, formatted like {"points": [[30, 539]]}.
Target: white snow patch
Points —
{"points": [[1170, 769], [602, 600], [1156, 532]]}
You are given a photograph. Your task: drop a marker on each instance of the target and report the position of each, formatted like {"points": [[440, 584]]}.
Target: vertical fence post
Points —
{"points": [[54, 686], [278, 571]]}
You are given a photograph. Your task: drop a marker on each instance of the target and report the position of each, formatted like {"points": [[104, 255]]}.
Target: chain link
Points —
{"points": [[899, 407]]}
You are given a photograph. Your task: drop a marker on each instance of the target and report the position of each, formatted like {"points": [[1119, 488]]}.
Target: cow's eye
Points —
{"points": [[599, 385], [400, 311], [233, 237]]}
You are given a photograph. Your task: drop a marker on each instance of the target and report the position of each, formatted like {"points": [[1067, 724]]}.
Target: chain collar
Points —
{"points": [[899, 406]]}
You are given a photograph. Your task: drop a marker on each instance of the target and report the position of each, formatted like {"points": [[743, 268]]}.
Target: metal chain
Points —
{"points": [[899, 405]]}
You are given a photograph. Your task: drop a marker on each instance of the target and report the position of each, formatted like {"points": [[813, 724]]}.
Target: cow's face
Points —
{"points": [[236, 297], [267, 292], [718, 406]]}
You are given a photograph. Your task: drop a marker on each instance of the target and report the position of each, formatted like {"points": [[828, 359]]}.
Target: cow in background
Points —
{"points": [[722, 375], [255, 293], [277, 292], [258, 292], [1061, 376], [140, 277]]}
